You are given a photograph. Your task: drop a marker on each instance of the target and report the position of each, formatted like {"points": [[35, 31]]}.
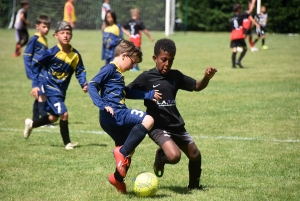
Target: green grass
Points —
{"points": [[246, 124]]}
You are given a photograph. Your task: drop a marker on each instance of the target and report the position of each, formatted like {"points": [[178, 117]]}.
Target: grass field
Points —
{"points": [[246, 124]]}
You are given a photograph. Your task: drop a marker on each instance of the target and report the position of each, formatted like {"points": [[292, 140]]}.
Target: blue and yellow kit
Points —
{"points": [[35, 49], [59, 68]]}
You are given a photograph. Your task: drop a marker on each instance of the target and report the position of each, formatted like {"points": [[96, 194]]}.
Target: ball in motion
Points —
{"points": [[145, 184]]}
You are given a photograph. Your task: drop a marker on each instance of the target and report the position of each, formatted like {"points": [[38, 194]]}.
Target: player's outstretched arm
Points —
{"points": [[202, 84], [251, 7]]}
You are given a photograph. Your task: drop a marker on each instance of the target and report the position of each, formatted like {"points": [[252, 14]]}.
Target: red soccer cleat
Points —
{"points": [[120, 186], [121, 162]]}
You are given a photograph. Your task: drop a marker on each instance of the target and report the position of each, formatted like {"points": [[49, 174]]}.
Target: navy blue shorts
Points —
{"points": [[55, 105], [120, 125]]}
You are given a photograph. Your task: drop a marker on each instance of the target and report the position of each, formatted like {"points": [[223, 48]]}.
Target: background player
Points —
{"points": [[133, 30], [127, 127], [262, 19], [60, 63], [35, 48], [105, 7], [21, 25], [168, 131], [237, 33], [69, 13]]}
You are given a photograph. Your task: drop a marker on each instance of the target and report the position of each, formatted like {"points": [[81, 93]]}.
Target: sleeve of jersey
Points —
{"points": [[38, 65], [27, 56], [138, 83], [137, 94], [80, 72], [95, 86]]}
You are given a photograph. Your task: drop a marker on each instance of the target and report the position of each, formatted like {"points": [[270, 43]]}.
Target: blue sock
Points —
{"points": [[135, 137]]}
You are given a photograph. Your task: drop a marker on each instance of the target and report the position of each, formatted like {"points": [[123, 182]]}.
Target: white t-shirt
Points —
{"points": [[105, 8], [19, 24]]}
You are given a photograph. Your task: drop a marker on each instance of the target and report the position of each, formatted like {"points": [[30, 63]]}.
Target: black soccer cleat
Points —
{"points": [[239, 64], [158, 166]]}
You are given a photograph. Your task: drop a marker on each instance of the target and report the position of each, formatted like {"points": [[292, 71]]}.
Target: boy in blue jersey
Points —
{"points": [[127, 127], [59, 62], [35, 48]]}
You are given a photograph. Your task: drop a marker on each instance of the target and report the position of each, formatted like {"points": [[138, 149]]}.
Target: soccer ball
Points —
{"points": [[145, 184]]}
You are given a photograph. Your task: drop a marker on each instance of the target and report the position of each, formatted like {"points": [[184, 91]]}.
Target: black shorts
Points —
{"points": [[261, 31], [160, 136], [238, 43]]}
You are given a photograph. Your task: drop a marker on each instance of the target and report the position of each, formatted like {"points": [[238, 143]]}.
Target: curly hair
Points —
{"points": [[164, 44]]}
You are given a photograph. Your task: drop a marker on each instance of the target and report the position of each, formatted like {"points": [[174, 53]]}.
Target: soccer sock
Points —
{"points": [[41, 121], [233, 56], [42, 112], [194, 173], [118, 177], [135, 137], [255, 40], [35, 110], [263, 42], [251, 41], [64, 131], [162, 157], [242, 54]]}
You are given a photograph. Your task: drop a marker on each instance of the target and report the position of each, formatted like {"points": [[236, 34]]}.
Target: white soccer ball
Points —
{"points": [[145, 184]]}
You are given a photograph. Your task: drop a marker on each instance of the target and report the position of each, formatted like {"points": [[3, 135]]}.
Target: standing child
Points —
{"points": [[135, 25], [21, 27], [112, 34], [127, 127], [105, 8], [60, 62], [69, 13], [237, 34], [168, 131], [262, 19], [35, 48]]}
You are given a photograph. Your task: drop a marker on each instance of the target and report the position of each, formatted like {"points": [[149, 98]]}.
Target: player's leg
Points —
{"points": [[234, 46], [18, 45], [168, 153], [242, 43], [24, 37], [35, 110], [194, 155], [263, 39]]}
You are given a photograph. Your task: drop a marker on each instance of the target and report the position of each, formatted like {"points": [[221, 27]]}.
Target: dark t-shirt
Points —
{"points": [[134, 26], [237, 20], [165, 113]]}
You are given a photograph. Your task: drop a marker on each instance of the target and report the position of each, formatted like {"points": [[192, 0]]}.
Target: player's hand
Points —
{"points": [[210, 72], [85, 87], [35, 92], [157, 96], [110, 110]]}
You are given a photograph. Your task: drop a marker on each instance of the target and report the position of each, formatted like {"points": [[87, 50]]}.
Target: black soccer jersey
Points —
{"points": [[237, 20], [165, 113], [135, 26]]}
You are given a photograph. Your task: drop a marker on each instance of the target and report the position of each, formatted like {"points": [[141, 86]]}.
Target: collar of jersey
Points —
{"points": [[118, 69], [60, 47]]}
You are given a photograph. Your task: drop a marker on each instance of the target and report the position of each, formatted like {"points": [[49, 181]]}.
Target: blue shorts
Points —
{"points": [[120, 125], [55, 105]]}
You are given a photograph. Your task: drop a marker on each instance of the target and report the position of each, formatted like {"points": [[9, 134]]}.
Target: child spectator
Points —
{"points": [[112, 34], [105, 8], [69, 13], [133, 30]]}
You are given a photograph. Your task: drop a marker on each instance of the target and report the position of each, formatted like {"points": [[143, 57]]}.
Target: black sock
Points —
{"points": [[41, 121], [135, 137], [194, 173], [64, 131], [118, 177], [255, 40], [42, 112], [263, 42], [242, 54], [162, 157], [233, 57], [35, 110]]}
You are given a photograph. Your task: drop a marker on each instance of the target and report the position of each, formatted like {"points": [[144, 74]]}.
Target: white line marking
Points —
{"points": [[53, 130]]}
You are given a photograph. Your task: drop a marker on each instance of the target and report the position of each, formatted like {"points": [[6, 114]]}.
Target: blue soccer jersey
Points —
{"points": [[35, 49], [110, 81], [59, 68]]}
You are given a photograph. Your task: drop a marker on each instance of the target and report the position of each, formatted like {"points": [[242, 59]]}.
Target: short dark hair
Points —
{"points": [[113, 15], [164, 44], [43, 19], [236, 7]]}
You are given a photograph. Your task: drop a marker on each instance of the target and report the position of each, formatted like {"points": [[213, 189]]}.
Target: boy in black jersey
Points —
{"points": [[237, 32], [168, 131]]}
